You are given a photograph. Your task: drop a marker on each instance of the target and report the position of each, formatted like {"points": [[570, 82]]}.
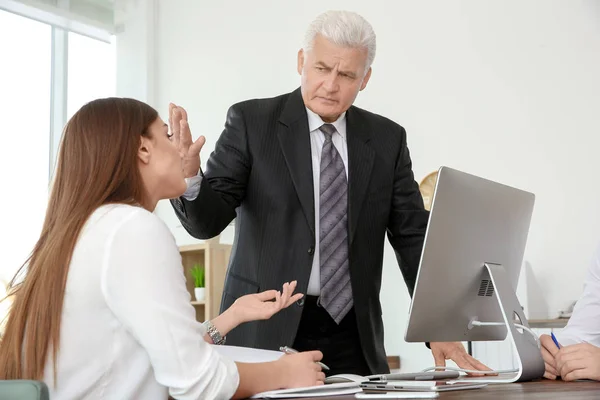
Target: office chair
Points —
{"points": [[23, 390]]}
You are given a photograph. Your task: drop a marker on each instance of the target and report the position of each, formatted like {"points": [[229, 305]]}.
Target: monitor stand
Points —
{"points": [[529, 356]]}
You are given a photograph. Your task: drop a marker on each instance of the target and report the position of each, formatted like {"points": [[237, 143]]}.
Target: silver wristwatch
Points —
{"points": [[214, 333]]}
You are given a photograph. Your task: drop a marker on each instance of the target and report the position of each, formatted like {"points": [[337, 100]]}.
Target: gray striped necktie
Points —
{"points": [[336, 291]]}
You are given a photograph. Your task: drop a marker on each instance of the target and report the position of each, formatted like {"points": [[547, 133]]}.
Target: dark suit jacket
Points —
{"points": [[261, 167]]}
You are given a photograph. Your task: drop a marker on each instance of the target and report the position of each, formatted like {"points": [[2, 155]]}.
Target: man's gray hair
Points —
{"points": [[343, 28]]}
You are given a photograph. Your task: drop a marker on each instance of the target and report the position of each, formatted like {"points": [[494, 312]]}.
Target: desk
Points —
{"points": [[548, 323], [538, 390]]}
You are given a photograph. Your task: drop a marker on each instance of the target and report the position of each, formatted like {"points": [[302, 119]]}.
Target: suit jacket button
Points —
{"points": [[311, 250], [300, 302]]}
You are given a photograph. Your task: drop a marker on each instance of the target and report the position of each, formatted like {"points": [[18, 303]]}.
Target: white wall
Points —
{"points": [[508, 90], [136, 49]]}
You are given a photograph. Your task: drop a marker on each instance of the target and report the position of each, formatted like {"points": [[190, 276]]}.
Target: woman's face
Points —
{"points": [[161, 164]]}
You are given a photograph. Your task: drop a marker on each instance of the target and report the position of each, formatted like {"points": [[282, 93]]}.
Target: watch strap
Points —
{"points": [[214, 333]]}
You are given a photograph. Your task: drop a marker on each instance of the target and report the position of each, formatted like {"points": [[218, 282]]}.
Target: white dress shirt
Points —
{"points": [[128, 330], [584, 324], [317, 139]]}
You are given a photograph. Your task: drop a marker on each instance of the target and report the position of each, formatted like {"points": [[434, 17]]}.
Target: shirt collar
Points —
{"points": [[315, 122]]}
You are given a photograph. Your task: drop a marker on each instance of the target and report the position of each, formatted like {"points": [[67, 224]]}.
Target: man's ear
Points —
{"points": [[366, 79], [300, 65], [145, 150]]}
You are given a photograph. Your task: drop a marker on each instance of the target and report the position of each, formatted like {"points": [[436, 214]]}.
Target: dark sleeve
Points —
{"points": [[408, 218], [223, 184]]}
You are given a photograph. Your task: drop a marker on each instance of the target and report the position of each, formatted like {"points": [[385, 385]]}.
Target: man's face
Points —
{"points": [[332, 76]]}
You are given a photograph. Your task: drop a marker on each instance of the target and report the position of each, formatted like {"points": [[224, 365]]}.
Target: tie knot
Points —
{"points": [[328, 130]]}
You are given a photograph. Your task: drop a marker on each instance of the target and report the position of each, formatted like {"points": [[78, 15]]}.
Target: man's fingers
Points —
{"points": [[186, 135], [479, 365], [197, 146], [172, 108], [175, 125], [466, 363], [176, 137], [170, 119], [438, 357], [176, 119], [457, 353]]}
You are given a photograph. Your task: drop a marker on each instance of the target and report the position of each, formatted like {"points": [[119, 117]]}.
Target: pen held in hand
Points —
{"points": [[289, 350], [554, 339]]}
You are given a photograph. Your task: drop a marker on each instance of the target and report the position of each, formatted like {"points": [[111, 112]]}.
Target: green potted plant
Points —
{"points": [[197, 272]]}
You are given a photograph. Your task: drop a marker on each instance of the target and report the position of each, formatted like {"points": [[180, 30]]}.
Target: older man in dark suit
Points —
{"points": [[316, 183]]}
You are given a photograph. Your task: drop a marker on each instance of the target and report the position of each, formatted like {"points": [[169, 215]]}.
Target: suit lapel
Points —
{"points": [[294, 139], [360, 163]]}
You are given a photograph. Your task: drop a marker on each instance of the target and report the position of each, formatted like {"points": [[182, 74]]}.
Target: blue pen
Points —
{"points": [[554, 339]]}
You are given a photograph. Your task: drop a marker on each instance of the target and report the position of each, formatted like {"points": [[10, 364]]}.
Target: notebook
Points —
{"points": [[334, 389]]}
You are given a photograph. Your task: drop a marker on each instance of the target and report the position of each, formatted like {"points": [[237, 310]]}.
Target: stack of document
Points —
{"points": [[347, 384], [334, 389]]}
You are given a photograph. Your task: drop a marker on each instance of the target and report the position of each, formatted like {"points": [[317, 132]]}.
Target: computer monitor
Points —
{"points": [[470, 265]]}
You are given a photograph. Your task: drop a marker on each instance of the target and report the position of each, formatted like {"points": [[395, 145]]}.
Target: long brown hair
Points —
{"points": [[97, 165]]}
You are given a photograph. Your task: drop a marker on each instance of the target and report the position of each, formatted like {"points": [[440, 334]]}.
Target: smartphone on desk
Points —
{"points": [[417, 386]]}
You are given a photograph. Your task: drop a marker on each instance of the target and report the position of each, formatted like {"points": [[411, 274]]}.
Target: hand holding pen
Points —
{"points": [[299, 369], [289, 350], [550, 349]]}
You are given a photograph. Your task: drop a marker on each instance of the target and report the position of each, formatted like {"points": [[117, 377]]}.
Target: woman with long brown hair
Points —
{"points": [[101, 309]]}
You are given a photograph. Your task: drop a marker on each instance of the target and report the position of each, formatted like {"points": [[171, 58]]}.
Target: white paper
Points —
{"points": [[248, 354], [334, 389], [398, 395]]}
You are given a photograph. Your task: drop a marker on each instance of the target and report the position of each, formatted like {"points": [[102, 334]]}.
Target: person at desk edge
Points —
{"points": [[576, 353], [317, 183], [101, 308]]}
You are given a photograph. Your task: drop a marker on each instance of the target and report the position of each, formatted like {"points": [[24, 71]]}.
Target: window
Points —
{"points": [[25, 82], [33, 117], [91, 71]]}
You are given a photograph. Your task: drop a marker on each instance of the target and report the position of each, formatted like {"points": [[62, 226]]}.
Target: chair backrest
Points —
{"points": [[23, 390]]}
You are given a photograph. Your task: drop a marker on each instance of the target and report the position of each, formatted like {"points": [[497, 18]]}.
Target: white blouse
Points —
{"points": [[584, 324], [128, 330]]}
